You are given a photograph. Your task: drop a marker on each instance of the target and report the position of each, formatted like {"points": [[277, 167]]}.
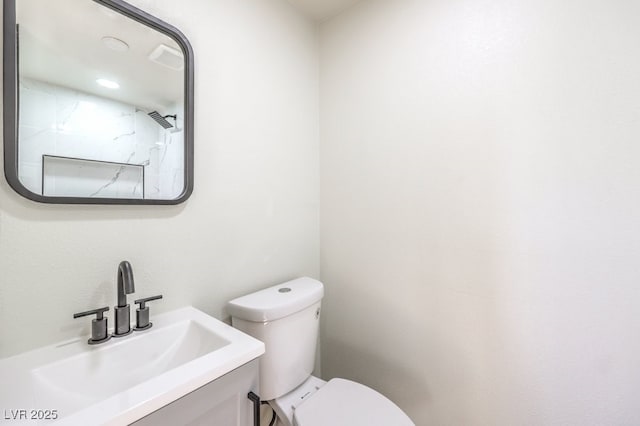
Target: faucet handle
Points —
{"points": [[99, 312], [142, 302], [99, 324], [142, 313]]}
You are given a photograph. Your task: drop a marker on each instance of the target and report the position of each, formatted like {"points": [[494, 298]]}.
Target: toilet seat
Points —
{"points": [[345, 403]]}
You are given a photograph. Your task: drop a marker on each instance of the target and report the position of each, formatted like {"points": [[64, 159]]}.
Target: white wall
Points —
{"points": [[480, 208], [252, 220]]}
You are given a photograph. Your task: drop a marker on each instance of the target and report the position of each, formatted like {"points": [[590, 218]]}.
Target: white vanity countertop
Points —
{"points": [[124, 379]]}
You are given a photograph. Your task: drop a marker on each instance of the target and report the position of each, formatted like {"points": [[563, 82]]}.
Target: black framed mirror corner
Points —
{"points": [[98, 104]]}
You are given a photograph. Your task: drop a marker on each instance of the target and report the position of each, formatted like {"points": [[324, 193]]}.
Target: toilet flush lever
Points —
{"points": [[142, 313], [99, 327]]}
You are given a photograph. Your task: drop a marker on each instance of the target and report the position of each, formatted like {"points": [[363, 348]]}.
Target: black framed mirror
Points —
{"points": [[98, 104]]}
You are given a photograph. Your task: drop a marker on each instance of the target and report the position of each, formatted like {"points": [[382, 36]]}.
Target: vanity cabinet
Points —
{"points": [[222, 402]]}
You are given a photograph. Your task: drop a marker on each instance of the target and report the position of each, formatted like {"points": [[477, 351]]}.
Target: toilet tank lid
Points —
{"points": [[278, 301]]}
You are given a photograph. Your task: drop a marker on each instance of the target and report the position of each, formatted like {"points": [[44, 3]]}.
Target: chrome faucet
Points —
{"points": [[125, 286]]}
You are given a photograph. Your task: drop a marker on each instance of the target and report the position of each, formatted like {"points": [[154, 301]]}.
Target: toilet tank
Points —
{"points": [[285, 318]]}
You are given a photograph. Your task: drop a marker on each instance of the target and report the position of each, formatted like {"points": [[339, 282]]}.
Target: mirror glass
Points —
{"points": [[104, 105]]}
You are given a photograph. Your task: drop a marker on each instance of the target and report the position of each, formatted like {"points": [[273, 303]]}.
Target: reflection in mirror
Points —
{"points": [[104, 104]]}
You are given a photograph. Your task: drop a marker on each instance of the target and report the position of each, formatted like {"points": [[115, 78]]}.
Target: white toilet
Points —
{"points": [[286, 318]]}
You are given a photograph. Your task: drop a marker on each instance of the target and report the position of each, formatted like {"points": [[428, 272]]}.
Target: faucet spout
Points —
{"points": [[125, 282]]}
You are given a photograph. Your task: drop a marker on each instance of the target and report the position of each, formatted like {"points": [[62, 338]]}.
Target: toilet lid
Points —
{"points": [[345, 403]]}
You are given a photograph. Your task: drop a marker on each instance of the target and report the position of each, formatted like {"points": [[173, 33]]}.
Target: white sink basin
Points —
{"points": [[124, 379]]}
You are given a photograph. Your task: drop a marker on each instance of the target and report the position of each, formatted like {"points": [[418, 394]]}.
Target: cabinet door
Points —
{"points": [[222, 402]]}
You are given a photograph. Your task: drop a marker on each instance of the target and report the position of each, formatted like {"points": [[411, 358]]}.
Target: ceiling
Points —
{"points": [[322, 9], [61, 44]]}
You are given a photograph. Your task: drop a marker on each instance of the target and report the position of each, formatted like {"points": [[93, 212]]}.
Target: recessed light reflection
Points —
{"points": [[107, 83], [115, 44]]}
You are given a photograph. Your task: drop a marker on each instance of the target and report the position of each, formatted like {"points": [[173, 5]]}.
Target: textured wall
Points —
{"points": [[252, 220], [480, 199]]}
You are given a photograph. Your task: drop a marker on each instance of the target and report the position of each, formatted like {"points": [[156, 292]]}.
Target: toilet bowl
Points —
{"points": [[286, 318]]}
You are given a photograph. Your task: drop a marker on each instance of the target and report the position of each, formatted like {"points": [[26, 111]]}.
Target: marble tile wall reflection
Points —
{"points": [[63, 122]]}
